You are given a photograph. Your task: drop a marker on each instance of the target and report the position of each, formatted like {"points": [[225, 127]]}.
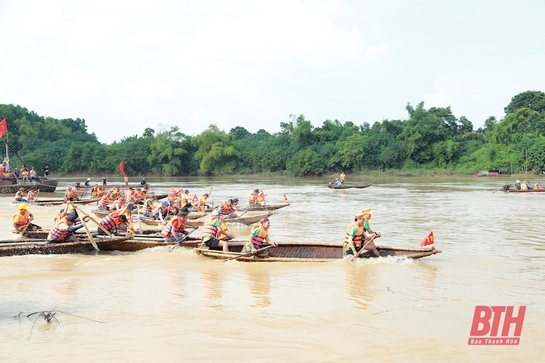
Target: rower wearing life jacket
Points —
{"points": [[162, 211], [184, 199], [253, 197], [22, 221], [261, 198], [213, 229], [112, 223], [258, 238], [202, 203], [148, 207], [228, 208], [175, 231], [359, 233], [63, 229], [70, 194]]}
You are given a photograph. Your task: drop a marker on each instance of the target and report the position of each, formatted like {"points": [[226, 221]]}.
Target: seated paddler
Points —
{"points": [[175, 231], [64, 229], [214, 228], [359, 236], [113, 223], [228, 208], [259, 239]]}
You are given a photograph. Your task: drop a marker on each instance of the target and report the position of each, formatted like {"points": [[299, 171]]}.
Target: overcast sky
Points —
{"points": [[127, 65]]}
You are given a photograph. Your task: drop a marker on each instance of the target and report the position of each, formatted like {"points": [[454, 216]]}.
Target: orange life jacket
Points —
{"points": [[226, 208], [358, 238], [22, 221], [257, 241], [57, 234], [176, 225], [111, 221]]}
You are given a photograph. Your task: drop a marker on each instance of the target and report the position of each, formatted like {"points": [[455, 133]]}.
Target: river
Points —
{"points": [[165, 305]]}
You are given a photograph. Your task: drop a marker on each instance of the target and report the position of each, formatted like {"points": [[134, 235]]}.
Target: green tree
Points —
{"points": [[216, 152]]}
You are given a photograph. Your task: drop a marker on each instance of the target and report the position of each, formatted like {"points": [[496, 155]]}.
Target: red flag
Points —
{"points": [[428, 241], [3, 127], [122, 167]]}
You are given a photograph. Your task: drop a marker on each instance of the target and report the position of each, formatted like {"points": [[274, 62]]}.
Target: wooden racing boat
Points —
{"points": [[262, 207], [138, 243], [313, 252], [42, 247], [192, 215], [348, 186], [62, 201], [244, 218]]}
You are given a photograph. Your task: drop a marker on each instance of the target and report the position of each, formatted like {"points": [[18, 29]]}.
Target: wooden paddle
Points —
{"points": [[184, 238], [94, 220], [89, 234], [250, 253], [362, 250], [24, 229], [243, 213], [139, 219]]}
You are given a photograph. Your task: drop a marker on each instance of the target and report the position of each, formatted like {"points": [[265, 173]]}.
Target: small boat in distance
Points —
{"points": [[490, 173], [348, 186]]}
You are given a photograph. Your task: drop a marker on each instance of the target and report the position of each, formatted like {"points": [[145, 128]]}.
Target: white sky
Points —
{"points": [[127, 65]]}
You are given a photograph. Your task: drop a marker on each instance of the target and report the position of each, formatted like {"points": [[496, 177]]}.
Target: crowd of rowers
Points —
{"points": [[177, 228]]}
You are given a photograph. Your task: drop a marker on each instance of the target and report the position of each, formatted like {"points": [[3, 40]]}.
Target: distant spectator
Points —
{"points": [[33, 175]]}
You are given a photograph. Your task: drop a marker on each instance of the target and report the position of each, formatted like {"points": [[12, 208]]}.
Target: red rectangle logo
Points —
{"points": [[492, 325]]}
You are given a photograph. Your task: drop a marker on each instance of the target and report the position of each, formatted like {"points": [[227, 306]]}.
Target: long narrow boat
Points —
{"points": [[243, 219], [42, 247], [261, 207], [192, 215], [8, 186], [313, 252], [42, 234], [110, 186], [348, 186], [524, 191], [43, 202], [138, 243]]}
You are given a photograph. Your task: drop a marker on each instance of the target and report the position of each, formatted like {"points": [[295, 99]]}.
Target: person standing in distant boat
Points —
{"points": [[103, 180], [33, 175], [126, 180], [342, 177], [87, 182], [45, 170]]}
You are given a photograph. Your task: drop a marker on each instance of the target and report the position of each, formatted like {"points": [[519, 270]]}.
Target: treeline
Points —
{"points": [[429, 139]]}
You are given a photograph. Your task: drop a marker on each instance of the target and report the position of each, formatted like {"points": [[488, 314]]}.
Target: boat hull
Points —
{"points": [[313, 252], [42, 247], [260, 207], [348, 186], [45, 186]]}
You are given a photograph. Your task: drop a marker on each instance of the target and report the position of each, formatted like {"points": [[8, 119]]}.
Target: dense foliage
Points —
{"points": [[429, 139]]}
